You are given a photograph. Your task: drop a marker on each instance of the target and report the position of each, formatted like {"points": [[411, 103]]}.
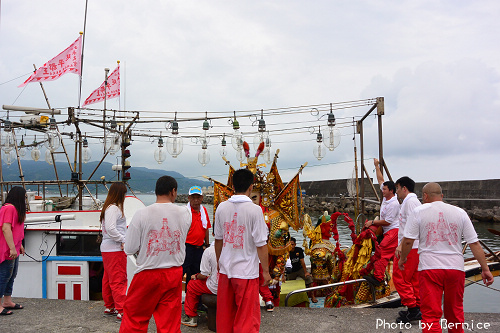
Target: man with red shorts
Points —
{"points": [[201, 283], [389, 220], [406, 282], [439, 227], [157, 234], [240, 241]]}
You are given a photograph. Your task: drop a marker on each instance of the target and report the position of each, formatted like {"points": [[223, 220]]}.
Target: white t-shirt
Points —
{"points": [[440, 227], [114, 228], [409, 204], [240, 224], [158, 232], [389, 211], [208, 267]]}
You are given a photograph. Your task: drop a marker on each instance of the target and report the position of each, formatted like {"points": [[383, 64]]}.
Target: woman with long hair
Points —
{"points": [[114, 259], [12, 216]]}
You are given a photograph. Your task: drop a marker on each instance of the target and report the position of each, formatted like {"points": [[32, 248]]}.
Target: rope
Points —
{"points": [[482, 285]]}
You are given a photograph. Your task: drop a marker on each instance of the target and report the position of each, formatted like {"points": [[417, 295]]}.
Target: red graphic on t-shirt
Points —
{"points": [[163, 240], [441, 231], [234, 233]]}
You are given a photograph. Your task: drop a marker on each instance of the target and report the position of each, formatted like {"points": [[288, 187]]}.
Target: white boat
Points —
{"points": [[61, 251]]}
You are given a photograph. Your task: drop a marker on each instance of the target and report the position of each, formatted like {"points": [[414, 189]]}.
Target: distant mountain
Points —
{"points": [[142, 179]]}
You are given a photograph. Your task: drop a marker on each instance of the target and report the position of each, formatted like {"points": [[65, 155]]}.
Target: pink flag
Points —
{"points": [[68, 61], [112, 90]]}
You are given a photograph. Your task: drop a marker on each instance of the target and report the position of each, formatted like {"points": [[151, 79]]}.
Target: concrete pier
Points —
{"points": [[43, 315]]}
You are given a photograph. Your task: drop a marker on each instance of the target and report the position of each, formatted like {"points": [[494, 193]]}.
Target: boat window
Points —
{"points": [[78, 245]]}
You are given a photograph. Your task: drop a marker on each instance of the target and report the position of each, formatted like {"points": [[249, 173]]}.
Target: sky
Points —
{"points": [[436, 63]]}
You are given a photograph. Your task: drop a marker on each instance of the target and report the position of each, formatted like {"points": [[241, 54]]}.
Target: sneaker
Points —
{"points": [[119, 316], [202, 308], [372, 280], [110, 311], [189, 321], [269, 307], [410, 316]]}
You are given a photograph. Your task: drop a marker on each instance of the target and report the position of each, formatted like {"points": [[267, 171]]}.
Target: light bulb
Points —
{"points": [[267, 156], [237, 140], [204, 156], [22, 151], [86, 154], [48, 157], [9, 157], [35, 154], [333, 138], [319, 151], [240, 155], [223, 151], [174, 145], [7, 138], [160, 155], [52, 136], [113, 142], [261, 137]]}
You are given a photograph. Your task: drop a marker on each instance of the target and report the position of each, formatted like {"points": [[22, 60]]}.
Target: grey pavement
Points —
{"points": [[44, 315]]}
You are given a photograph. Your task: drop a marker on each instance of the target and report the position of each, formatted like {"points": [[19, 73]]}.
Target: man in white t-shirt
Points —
{"points": [[157, 235], [406, 282], [201, 283], [439, 227], [389, 220], [240, 241]]}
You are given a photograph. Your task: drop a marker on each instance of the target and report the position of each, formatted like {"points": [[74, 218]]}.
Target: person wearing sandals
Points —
{"points": [[12, 216], [114, 259]]}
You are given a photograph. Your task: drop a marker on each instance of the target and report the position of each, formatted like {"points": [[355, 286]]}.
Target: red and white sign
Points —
{"points": [[112, 90], [68, 61]]}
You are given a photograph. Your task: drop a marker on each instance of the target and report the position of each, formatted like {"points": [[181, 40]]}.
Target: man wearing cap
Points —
{"points": [[197, 237]]}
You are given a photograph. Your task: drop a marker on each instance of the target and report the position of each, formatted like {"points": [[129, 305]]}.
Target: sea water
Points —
{"points": [[476, 298]]}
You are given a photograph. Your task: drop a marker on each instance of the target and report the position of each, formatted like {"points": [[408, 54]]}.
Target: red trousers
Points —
{"points": [[238, 308], [387, 248], [433, 283], [114, 281], [156, 292], [406, 282], [264, 290], [195, 289]]}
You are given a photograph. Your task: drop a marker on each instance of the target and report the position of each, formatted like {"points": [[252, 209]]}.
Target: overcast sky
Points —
{"points": [[436, 63]]}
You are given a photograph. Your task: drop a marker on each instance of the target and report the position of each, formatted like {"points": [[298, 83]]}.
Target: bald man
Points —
{"points": [[439, 227]]}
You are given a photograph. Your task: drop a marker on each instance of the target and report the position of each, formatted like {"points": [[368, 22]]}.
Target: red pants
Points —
{"points": [[406, 282], [156, 292], [195, 289], [238, 308], [433, 283], [114, 281], [387, 248], [264, 290]]}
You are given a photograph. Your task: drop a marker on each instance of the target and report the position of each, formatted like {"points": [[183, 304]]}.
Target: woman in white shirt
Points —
{"points": [[114, 259]]}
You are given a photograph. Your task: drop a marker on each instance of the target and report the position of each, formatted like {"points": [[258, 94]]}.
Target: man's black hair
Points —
{"points": [[407, 182], [165, 185], [391, 186], [242, 180], [292, 239]]}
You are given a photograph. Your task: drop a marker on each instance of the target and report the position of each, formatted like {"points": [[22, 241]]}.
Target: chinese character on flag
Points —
{"points": [[112, 90], [68, 61]]}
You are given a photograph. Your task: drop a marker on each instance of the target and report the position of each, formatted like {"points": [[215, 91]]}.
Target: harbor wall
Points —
{"points": [[480, 198]]}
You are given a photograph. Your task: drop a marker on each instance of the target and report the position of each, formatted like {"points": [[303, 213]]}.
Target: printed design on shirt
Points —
{"points": [[234, 233], [441, 231], [163, 240]]}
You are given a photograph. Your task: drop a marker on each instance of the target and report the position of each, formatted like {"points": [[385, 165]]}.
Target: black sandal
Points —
{"points": [[6, 312]]}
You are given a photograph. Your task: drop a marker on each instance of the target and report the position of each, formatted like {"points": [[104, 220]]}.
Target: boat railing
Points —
{"points": [[493, 254], [337, 284]]}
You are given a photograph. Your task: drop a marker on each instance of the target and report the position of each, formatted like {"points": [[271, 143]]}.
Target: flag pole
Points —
{"points": [[81, 59], [106, 71]]}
